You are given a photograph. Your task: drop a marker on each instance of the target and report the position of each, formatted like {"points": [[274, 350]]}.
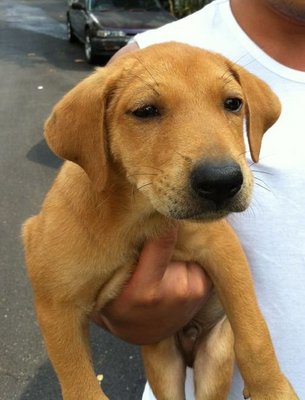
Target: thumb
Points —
{"points": [[155, 257]]}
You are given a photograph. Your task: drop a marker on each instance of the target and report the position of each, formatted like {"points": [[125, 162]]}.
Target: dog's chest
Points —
{"points": [[119, 257]]}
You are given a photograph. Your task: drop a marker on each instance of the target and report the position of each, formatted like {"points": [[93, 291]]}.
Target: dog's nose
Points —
{"points": [[217, 182]]}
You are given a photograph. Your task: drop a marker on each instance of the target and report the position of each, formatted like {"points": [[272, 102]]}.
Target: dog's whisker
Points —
{"points": [[142, 186], [261, 172], [104, 200], [260, 160], [247, 64], [150, 74], [256, 206], [237, 62], [186, 158], [228, 76], [252, 208], [263, 187], [258, 179], [146, 83], [243, 153], [226, 83]]}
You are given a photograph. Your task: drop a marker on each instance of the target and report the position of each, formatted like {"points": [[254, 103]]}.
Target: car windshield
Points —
{"points": [[131, 5]]}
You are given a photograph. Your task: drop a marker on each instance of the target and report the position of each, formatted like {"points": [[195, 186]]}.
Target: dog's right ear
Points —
{"points": [[75, 130], [263, 108]]}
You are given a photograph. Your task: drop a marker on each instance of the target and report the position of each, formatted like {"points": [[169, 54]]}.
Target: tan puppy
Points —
{"points": [[155, 139]]}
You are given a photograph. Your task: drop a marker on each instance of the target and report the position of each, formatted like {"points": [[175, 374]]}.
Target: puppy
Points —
{"points": [[152, 140]]}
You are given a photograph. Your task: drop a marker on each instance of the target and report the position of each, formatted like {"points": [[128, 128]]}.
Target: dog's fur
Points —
{"points": [[128, 178]]}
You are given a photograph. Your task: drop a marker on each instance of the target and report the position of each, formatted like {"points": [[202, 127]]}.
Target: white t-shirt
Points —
{"points": [[272, 230]]}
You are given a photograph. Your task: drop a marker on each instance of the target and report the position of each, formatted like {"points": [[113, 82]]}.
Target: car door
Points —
{"points": [[78, 18]]}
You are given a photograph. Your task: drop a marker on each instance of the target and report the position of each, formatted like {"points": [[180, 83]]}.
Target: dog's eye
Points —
{"points": [[147, 111], [233, 104]]}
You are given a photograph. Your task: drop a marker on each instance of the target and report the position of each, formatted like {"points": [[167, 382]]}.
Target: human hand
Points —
{"points": [[160, 297]]}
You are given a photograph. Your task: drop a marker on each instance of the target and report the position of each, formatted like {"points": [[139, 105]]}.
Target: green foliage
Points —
{"points": [[181, 8]]}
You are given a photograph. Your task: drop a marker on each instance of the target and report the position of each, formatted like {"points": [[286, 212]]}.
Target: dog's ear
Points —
{"points": [[75, 130], [263, 109]]}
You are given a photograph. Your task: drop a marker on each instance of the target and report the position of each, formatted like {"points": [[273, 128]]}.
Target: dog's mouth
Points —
{"points": [[210, 191], [199, 210], [179, 204]]}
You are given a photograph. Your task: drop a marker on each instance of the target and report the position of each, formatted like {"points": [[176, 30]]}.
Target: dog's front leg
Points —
{"points": [[214, 361], [65, 330], [165, 369], [217, 248]]}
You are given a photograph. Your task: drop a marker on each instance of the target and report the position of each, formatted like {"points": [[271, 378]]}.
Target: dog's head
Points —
{"points": [[169, 118]]}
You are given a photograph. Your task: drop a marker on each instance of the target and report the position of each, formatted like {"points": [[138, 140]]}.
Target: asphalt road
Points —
{"points": [[37, 66]]}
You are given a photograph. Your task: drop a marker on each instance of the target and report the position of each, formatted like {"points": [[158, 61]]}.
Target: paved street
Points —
{"points": [[37, 66]]}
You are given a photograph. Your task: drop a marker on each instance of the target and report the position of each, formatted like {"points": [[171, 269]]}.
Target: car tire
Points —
{"points": [[91, 58], [70, 34]]}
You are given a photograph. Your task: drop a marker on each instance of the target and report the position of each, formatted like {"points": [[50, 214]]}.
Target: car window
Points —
{"points": [[105, 5]]}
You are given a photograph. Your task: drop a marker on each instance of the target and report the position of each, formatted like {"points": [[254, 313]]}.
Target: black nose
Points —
{"points": [[216, 182]]}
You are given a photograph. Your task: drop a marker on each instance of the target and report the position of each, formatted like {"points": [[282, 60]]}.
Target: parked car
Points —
{"points": [[104, 26]]}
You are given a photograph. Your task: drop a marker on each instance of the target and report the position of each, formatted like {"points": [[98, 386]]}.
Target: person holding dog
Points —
{"points": [[267, 37]]}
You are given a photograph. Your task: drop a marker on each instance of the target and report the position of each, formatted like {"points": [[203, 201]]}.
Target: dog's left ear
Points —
{"points": [[263, 109], [75, 130]]}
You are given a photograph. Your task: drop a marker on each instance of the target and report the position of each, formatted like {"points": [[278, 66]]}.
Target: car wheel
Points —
{"points": [[90, 56], [70, 34]]}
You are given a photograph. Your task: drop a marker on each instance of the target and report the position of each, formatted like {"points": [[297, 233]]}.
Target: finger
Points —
{"points": [[154, 258], [199, 282], [186, 282]]}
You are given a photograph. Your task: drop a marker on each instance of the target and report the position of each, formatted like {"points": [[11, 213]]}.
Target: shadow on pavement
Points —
{"points": [[109, 354], [40, 153]]}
